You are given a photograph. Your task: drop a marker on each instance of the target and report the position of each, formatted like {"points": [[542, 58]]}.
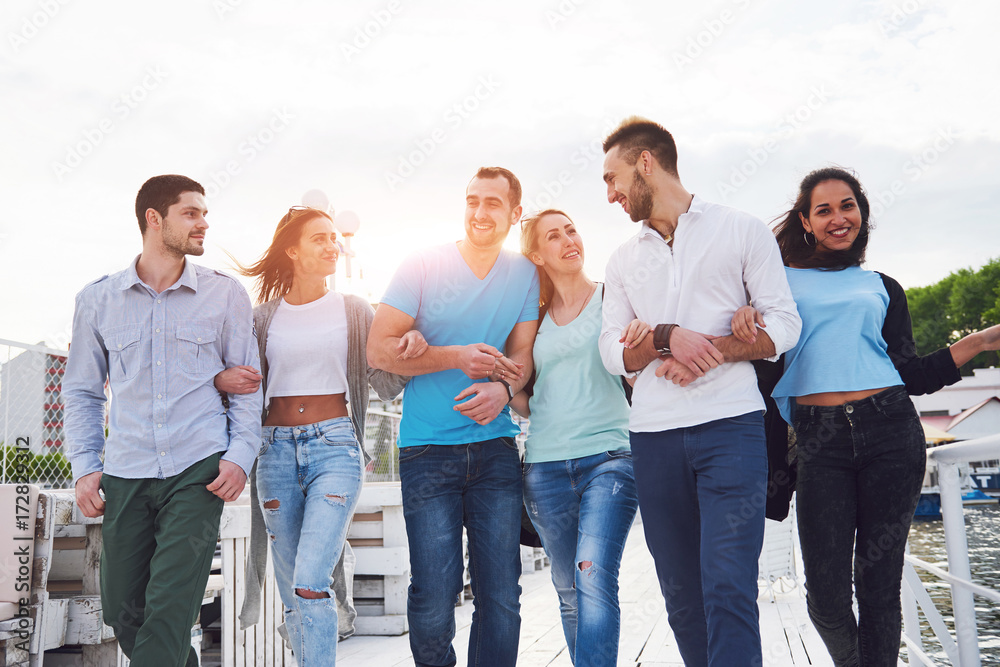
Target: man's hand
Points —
{"points": [[411, 345], [479, 360], [230, 482], [694, 350], [487, 402], [675, 371], [88, 495], [238, 380]]}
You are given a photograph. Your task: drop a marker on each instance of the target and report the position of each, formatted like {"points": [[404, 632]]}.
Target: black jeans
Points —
{"points": [[860, 469]]}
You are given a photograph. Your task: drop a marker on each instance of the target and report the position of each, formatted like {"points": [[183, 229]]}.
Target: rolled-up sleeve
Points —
{"points": [[239, 347], [617, 312], [83, 392], [767, 288]]}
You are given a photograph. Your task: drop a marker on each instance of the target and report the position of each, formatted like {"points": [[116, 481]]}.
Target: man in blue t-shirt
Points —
{"points": [[477, 306]]}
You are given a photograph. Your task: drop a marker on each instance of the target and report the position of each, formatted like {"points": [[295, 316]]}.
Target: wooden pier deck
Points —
{"points": [[787, 636]]}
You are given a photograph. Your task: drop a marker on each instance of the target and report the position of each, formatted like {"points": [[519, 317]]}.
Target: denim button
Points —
{"points": [[849, 409]]}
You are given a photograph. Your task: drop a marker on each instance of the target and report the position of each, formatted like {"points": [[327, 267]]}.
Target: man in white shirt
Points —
{"points": [[696, 426]]}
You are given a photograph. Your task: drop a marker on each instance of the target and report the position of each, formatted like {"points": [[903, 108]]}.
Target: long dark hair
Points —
{"points": [[792, 239], [273, 270]]}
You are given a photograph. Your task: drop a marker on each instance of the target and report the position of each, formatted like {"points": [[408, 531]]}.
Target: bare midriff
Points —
{"points": [[827, 398], [301, 410]]}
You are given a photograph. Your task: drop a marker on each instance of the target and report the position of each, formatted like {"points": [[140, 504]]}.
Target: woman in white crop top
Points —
{"points": [[860, 445], [311, 464]]}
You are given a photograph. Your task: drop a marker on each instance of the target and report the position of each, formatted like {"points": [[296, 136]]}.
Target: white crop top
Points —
{"points": [[307, 349]]}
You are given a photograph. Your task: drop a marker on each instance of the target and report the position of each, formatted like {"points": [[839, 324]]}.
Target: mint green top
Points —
{"points": [[577, 409]]}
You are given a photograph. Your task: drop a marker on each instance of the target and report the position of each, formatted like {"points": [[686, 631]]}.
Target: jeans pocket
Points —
{"points": [[895, 405], [526, 468], [619, 454], [509, 443], [339, 436], [412, 452]]}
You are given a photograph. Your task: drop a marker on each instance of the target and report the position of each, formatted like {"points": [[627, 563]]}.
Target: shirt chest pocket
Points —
{"points": [[124, 353], [196, 349]]}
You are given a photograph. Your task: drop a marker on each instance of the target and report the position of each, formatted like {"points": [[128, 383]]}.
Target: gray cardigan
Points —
{"points": [[359, 376]]}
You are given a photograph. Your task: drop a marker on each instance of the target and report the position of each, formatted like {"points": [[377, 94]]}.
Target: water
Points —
{"points": [[982, 524]]}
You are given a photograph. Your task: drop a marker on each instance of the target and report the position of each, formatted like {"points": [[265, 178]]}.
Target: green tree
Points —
{"points": [[964, 302]]}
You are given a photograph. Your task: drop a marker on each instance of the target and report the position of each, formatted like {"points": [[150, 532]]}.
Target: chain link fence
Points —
{"points": [[31, 415]]}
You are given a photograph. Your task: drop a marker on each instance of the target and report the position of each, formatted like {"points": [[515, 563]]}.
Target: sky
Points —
{"points": [[389, 107]]}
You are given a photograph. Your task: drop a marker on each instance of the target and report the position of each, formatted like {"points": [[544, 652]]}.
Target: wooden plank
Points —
{"points": [[102, 653], [383, 560], [228, 625]]}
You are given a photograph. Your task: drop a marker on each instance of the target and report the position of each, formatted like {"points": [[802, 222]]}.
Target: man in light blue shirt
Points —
{"points": [[474, 302], [159, 331]]}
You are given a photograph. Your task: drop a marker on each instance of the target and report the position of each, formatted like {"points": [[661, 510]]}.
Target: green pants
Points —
{"points": [[159, 539]]}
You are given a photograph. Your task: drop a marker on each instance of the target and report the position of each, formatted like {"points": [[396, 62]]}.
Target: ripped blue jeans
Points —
{"points": [[308, 481], [583, 510]]}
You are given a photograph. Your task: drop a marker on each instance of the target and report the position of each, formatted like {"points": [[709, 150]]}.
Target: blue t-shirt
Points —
{"points": [[452, 306], [841, 346]]}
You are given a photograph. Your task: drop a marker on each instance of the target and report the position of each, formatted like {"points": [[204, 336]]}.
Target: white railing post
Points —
{"points": [[958, 563], [911, 616]]}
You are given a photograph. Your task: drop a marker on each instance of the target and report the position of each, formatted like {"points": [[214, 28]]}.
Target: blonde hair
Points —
{"points": [[529, 244]]}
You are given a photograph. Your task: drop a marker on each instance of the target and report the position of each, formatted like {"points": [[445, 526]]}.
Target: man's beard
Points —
{"points": [[640, 199]]}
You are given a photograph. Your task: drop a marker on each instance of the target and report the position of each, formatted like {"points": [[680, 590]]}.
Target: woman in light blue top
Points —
{"points": [[578, 484], [844, 387]]}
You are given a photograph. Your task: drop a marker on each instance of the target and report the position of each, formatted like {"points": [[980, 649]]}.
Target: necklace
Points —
{"points": [[593, 288]]}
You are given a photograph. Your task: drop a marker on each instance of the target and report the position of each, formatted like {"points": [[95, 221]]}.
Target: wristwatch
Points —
{"points": [[510, 392], [661, 337]]}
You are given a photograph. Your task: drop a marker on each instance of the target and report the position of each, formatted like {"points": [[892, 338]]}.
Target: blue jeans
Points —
{"points": [[702, 491], [583, 510], [308, 481], [861, 466], [444, 487]]}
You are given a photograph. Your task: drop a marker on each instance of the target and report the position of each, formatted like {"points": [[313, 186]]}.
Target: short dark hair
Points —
{"points": [[636, 134], [512, 182], [160, 193], [791, 235]]}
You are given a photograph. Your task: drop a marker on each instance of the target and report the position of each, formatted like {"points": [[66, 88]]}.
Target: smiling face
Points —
{"points": [[627, 187], [834, 217], [316, 252], [488, 214], [184, 226], [558, 246]]}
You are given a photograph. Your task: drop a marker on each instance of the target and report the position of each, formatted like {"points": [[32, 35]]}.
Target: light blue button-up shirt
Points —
{"points": [[161, 353]]}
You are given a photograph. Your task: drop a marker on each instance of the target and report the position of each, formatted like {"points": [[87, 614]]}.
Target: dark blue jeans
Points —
{"points": [[583, 510], [702, 491], [444, 487], [860, 467]]}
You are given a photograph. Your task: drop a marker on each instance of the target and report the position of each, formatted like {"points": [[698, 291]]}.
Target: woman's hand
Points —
{"points": [[506, 369], [238, 380], [634, 333], [411, 345], [745, 322], [676, 372]]}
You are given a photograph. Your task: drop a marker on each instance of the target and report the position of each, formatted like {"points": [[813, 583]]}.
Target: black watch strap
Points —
{"points": [[510, 392]]}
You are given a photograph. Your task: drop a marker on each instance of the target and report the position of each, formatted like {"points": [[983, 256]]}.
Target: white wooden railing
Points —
{"points": [[962, 649]]}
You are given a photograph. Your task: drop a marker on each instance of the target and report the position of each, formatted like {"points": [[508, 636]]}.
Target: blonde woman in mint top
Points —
{"points": [[844, 388], [578, 484]]}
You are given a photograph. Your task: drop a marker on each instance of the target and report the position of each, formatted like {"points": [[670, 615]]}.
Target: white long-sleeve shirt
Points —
{"points": [[721, 259]]}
